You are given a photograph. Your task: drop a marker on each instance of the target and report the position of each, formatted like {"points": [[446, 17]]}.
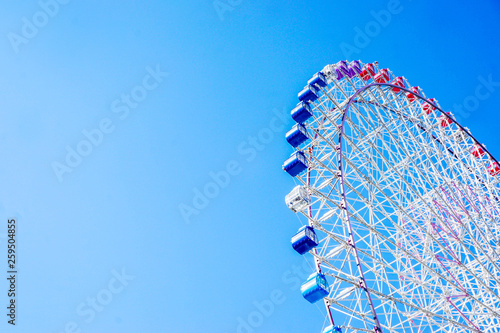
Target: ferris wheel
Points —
{"points": [[400, 207]]}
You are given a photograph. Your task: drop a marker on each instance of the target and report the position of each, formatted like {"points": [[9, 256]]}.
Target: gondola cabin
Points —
{"points": [[298, 199], [412, 97], [315, 288], [494, 169], [304, 240], [355, 65], [308, 94], [428, 107], [296, 163], [344, 70], [318, 79], [478, 151], [459, 135], [382, 76], [399, 81], [367, 72], [301, 112], [445, 120], [332, 329], [297, 135]]}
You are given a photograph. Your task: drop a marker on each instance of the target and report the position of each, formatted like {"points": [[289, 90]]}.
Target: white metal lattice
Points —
{"points": [[407, 215]]}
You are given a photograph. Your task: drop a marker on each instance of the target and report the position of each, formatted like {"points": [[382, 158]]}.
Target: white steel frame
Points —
{"points": [[407, 218]]}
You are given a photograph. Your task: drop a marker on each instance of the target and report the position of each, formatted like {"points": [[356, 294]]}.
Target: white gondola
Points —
{"points": [[298, 199]]}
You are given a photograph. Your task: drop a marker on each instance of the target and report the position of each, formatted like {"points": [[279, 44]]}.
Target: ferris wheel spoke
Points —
{"points": [[449, 281], [446, 181], [442, 248]]}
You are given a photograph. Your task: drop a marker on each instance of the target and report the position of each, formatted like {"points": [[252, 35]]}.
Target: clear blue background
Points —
{"points": [[119, 209]]}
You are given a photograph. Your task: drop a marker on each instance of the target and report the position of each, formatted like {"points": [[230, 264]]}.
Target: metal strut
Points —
{"points": [[316, 261]]}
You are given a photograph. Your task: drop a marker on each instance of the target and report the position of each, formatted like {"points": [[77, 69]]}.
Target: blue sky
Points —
{"points": [[111, 227]]}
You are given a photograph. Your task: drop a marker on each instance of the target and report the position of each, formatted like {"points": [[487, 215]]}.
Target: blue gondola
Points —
{"points": [[308, 94], [318, 79], [297, 135], [315, 288], [301, 112], [295, 164], [304, 240], [332, 329]]}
